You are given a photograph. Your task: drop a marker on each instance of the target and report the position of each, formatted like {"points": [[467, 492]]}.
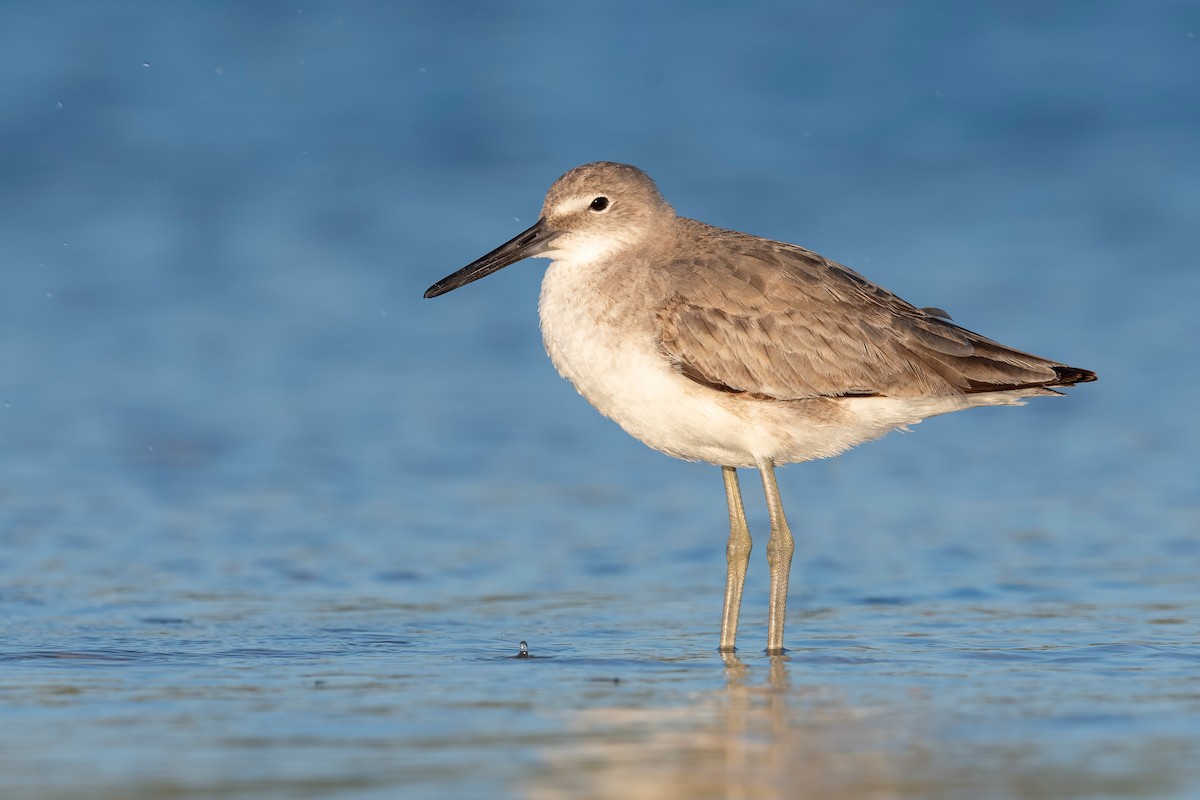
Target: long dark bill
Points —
{"points": [[532, 242]]}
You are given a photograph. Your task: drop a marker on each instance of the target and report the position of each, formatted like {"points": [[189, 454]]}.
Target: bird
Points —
{"points": [[713, 345]]}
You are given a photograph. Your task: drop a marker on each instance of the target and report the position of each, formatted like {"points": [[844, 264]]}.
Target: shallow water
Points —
{"points": [[273, 526]]}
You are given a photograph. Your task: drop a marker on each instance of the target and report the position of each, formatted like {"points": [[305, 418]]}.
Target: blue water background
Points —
{"points": [[271, 525]]}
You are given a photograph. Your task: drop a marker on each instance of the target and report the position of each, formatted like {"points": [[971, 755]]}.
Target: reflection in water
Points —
{"points": [[751, 739], [764, 738]]}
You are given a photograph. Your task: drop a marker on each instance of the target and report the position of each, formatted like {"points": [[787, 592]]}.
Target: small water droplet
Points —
{"points": [[150, 447], [423, 70], [49, 295], [59, 104], [219, 70], [146, 64]]}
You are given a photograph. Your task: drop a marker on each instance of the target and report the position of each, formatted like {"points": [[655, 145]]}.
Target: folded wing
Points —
{"points": [[777, 321]]}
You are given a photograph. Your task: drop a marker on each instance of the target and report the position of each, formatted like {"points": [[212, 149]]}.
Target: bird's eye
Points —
{"points": [[599, 204]]}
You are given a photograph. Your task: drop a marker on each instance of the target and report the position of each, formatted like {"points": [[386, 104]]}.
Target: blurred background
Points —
{"points": [[239, 447]]}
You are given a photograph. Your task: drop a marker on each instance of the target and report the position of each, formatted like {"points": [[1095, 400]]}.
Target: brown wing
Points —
{"points": [[778, 321]]}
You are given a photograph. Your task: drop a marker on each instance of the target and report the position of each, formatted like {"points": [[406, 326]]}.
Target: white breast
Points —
{"points": [[608, 352]]}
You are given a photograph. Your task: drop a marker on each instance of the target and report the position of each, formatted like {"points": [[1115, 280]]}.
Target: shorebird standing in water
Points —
{"points": [[713, 345]]}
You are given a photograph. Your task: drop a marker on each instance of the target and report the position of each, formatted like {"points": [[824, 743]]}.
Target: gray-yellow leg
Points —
{"points": [[737, 552], [779, 557]]}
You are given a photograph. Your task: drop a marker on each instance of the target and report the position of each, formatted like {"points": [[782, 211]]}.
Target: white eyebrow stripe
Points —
{"points": [[573, 204]]}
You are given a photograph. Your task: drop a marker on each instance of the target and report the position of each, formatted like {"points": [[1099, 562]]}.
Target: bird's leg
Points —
{"points": [[737, 552], [779, 557]]}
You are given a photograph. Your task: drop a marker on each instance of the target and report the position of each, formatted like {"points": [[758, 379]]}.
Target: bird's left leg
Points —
{"points": [[737, 553]]}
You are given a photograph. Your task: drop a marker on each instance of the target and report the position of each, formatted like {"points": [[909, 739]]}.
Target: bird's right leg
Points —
{"points": [[780, 547], [737, 552]]}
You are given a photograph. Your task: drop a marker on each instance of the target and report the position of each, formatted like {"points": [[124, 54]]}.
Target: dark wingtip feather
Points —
{"points": [[1069, 376]]}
